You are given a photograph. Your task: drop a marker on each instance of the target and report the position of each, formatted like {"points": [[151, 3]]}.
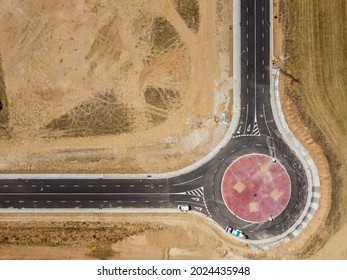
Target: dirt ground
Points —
{"points": [[112, 86], [314, 90], [314, 98]]}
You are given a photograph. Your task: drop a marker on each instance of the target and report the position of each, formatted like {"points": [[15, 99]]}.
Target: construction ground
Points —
{"points": [[119, 87]]}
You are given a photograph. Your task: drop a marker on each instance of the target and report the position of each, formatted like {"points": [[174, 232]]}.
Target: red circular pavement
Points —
{"points": [[255, 188]]}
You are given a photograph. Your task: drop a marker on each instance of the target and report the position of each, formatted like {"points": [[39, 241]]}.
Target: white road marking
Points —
{"points": [[33, 186], [133, 201], [188, 181], [131, 186], [77, 201], [19, 186], [103, 186], [147, 201], [90, 186], [5, 186], [160, 186], [7, 201], [258, 145], [63, 201], [117, 186], [91, 201], [62, 186], [75, 186], [119, 201], [48, 201]]}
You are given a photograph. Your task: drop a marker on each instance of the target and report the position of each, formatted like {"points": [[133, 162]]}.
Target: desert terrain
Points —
{"points": [[112, 86], [314, 99]]}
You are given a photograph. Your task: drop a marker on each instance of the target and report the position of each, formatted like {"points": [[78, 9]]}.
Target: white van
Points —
{"points": [[183, 207]]}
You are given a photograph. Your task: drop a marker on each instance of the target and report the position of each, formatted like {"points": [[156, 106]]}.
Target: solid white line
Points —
{"points": [[266, 120], [188, 181], [244, 131], [190, 202]]}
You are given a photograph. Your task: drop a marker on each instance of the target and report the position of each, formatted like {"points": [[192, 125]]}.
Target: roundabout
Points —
{"points": [[256, 188]]}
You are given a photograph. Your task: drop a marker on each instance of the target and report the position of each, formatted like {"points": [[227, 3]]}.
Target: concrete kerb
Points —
{"points": [[232, 128], [304, 156]]}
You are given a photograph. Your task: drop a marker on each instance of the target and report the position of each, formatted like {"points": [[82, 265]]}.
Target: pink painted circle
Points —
{"points": [[255, 188]]}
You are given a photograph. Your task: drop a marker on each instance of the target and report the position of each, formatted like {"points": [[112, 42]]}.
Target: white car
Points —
{"points": [[183, 207], [236, 232]]}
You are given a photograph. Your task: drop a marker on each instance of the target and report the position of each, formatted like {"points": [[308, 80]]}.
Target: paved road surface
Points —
{"points": [[201, 188]]}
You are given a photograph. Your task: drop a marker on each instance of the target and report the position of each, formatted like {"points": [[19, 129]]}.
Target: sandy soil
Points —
{"points": [[314, 100], [315, 110], [112, 86]]}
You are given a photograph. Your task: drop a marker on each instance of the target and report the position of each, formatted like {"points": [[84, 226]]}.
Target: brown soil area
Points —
{"points": [[112, 86], [315, 110], [104, 236], [314, 98]]}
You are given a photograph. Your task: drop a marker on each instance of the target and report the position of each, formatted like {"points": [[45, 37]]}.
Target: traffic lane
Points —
{"points": [[86, 200], [94, 186], [71, 186], [223, 215]]}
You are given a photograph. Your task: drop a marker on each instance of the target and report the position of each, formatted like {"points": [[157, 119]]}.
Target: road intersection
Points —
{"points": [[256, 133]]}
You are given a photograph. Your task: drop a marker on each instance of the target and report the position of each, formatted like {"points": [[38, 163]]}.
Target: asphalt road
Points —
{"points": [[201, 189]]}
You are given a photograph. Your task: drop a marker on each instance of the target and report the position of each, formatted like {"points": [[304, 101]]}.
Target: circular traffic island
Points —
{"points": [[256, 188]]}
